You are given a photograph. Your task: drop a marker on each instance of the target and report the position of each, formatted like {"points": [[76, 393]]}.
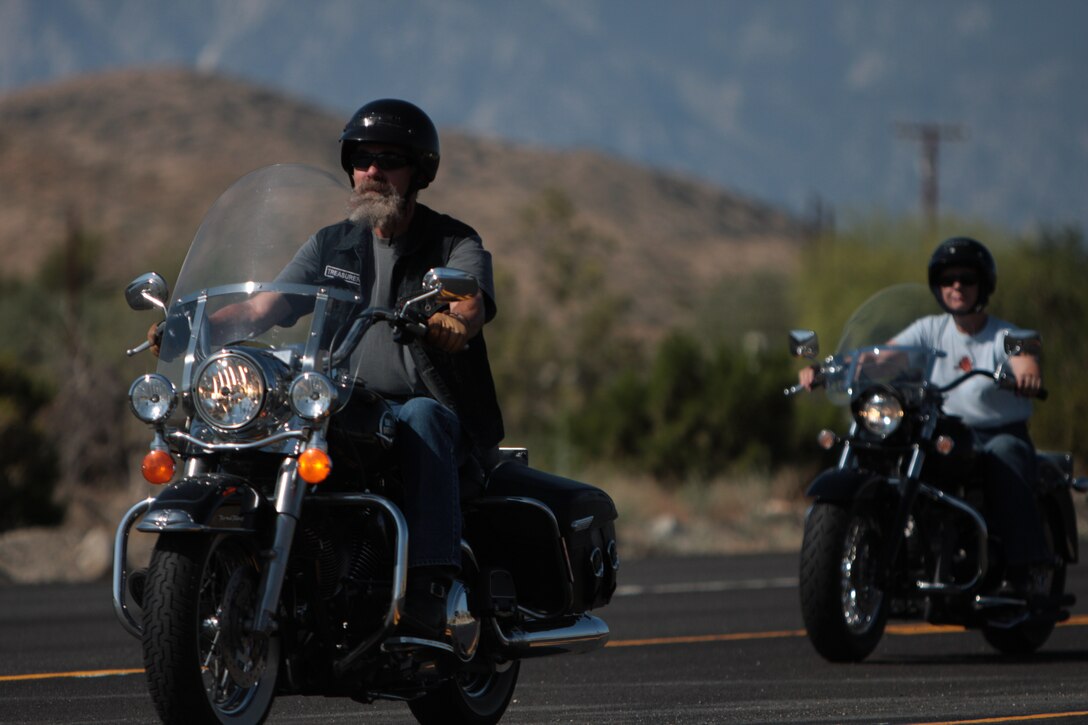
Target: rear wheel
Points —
{"points": [[469, 698], [843, 604], [1031, 634], [479, 692], [203, 664]]}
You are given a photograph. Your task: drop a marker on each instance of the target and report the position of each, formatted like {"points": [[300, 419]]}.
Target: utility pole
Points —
{"points": [[930, 135]]}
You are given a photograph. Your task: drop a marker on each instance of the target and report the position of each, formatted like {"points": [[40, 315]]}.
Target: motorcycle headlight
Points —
{"points": [[312, 396], [152, 398], [879, 413], [229, 392]]}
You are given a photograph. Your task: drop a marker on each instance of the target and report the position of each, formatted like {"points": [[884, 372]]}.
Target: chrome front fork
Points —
{"points": [[289, 492]]}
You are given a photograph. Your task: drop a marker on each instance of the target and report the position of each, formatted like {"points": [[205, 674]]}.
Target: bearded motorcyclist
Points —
{"points": [[962, 276], [441, 388]]}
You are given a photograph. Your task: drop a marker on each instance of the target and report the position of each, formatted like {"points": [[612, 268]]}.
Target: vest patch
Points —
{"points": [[344, 274]]}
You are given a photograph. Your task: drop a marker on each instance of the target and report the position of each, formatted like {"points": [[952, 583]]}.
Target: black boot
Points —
{"points": [[423, 620]]}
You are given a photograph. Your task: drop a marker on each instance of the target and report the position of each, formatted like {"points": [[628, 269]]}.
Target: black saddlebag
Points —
{"points": [[556, 536]]}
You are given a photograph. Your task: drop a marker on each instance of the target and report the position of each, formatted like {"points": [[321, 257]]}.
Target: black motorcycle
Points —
{"points": [[281, 558], [897, 527]]}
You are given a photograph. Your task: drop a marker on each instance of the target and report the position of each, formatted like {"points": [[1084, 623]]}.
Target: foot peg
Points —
{"points": [[402, 644]]}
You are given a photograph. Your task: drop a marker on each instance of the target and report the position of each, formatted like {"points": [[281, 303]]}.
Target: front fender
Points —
{"points": [[210, 502], [836, 484]]}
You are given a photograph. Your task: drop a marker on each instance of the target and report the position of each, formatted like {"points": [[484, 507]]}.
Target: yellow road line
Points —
{"points": [[1009, 718], [894, 629], [694, 639], [69, 675]]}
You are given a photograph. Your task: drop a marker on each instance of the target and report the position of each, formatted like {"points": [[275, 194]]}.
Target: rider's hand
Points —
{"points": [[447, 331], [154, 338], [806, 376], [1029, 376]]}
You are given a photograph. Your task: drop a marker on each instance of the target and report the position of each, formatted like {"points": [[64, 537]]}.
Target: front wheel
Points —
{"points": [[203, 664], [843, 603]]}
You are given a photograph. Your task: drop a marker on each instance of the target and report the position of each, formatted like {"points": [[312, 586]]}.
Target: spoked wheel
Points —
{"points": [[481, 689], [470, 697], [842, 602], [203, 664], [1031, 634]]}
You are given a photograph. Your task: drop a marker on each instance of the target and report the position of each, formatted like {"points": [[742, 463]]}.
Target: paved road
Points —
{"points": [[694, 640]]}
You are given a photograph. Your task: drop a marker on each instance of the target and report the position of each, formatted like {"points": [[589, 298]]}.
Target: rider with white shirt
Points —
{"points": [[962, 276]]}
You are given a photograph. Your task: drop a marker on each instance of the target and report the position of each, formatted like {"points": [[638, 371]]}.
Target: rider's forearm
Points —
{"points": [[471, 312], [248, 318]]}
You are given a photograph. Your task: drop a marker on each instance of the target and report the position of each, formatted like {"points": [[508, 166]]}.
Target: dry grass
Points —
{"points": [[741, 514]]}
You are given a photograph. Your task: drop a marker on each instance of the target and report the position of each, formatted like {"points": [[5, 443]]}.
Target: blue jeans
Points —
{"points": [[430, 448], [1013, 514]]}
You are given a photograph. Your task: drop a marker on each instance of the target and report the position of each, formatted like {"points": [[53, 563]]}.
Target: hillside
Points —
{"points": [[138, 156]]}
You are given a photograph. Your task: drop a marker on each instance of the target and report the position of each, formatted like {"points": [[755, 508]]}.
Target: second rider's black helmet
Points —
{"points": [[398, 123], [964, 252]]}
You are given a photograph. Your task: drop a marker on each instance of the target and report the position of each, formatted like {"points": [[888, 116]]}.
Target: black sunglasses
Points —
{"points": [[967, 279], [384, 160]]}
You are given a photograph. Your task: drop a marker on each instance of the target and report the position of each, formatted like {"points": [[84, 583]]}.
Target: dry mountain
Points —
{"points": [[136, 157]]}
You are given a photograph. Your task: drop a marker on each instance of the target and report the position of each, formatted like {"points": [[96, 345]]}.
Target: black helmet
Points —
{"points": [[398, 123], [964, 252]]}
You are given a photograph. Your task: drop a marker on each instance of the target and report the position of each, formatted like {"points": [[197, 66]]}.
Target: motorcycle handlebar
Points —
{"points": [[407, 324], [146, 344], [1041, 394], [1002, 380], [794, 390], [817, 382], [139, 348]]}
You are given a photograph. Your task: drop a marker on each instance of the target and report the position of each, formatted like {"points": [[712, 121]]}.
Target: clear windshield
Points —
{"points": [[865, 355], [248, 236]]}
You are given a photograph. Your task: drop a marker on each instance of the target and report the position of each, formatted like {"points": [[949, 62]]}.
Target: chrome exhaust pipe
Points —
{"points": [[981, 533], [574, 635]]}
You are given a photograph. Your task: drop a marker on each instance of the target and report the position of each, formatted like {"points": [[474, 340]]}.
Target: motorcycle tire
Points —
{"points": [[844, 607], [202, 664], [1027, 637], [469, 698]]}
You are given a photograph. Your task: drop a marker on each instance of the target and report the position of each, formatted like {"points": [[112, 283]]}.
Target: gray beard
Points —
{"points": [[384, 211]]}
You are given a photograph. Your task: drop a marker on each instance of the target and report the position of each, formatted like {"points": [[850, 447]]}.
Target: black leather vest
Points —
{"points": [[461, 381]]}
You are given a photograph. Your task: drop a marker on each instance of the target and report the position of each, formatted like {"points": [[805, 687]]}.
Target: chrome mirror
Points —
{"points": [[804, 343], [1023, 342], [147, 291], [452, 284]]}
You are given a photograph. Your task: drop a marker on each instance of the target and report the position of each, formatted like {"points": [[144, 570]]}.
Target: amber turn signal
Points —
{"points": [[158, 467], [944, 445], [314, 465], [827, 439]]}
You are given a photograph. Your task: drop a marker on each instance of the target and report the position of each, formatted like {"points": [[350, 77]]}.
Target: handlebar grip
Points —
{"points": [[406, 331], [794, 390], [1043, 394]]}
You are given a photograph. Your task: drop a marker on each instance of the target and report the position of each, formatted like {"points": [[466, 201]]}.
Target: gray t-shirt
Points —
{"points": [[977, 401], [384, 365]]}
